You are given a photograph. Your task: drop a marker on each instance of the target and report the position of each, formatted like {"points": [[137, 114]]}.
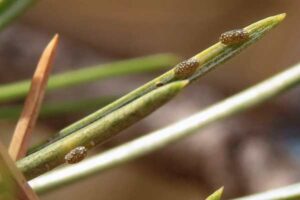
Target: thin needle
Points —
{"points": [[26, 123]]}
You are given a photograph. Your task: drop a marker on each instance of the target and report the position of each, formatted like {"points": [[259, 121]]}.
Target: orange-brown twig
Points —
{"points": [[25, 125], [13, 182]]}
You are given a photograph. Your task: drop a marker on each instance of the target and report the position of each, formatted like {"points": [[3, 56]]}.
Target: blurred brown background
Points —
{"points": [[247, 153]]}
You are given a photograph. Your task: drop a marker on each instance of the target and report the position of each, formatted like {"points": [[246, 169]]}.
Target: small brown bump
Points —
{"points": [[186, 68], [234, 37], [159, 84], [76, 155]]}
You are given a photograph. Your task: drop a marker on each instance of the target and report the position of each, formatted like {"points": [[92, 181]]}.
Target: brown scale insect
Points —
{"points": [[186, 68], [159, 84], [234, 37], [76, 155]]}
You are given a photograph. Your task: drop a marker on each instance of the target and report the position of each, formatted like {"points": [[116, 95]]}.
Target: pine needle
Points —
{"points": [[26, 123], [216, 195]]}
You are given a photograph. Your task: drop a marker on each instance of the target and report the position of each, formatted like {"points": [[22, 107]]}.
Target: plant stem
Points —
{"points": [[94, 129], [19, 90], [154, 141]]}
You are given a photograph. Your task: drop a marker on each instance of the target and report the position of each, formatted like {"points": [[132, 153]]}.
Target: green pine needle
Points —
{"points": [[216, 195]]}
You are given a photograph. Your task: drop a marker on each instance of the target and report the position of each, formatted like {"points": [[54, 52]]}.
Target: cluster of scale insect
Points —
{"points": [[183, 70], [186, 68], [76, 155], [236, 36]]}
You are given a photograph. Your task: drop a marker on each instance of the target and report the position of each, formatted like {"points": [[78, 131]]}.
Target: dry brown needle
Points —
{"points": [[26, 123]]}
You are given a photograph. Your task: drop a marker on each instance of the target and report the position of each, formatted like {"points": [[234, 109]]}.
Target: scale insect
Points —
{"points": [[186, 68], [234, 37], [159, 84], [76, 155]]}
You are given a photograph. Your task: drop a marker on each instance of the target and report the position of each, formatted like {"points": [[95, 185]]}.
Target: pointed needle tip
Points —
{"points": [[281, 16], [53, 43]]}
